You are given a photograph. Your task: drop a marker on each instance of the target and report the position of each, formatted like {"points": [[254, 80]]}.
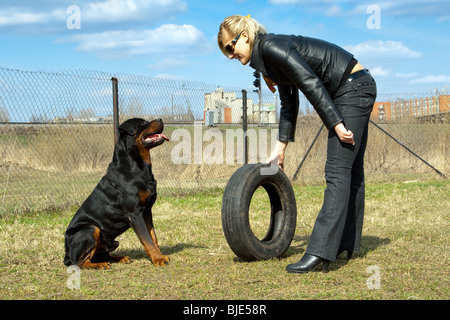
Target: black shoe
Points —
{"points": [[308, 263]]}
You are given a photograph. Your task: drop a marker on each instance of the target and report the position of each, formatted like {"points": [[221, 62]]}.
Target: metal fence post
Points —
{"points": [[115, 87], [244, 124]]}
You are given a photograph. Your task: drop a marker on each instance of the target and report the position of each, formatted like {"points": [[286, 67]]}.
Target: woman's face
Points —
{"points": [[242, 50]]}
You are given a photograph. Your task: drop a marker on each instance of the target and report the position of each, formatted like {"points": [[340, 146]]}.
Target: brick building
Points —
{"points": [[416, 107]]}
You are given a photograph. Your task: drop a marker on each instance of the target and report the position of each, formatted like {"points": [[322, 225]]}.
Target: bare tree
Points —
{"points": [[4, 115], [135, 107]]}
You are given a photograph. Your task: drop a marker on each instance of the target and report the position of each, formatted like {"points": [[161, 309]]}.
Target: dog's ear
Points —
{"points": [[127, 128], [130, 126]]}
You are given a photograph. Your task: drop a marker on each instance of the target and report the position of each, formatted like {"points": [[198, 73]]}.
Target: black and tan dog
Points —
{"points": [[123, 198]]}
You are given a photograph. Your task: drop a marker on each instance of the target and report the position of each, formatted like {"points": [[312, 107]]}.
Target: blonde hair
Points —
{"points": [[234, 25]]}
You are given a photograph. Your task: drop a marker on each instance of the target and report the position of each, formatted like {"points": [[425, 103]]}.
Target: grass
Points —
{"points": [[406, 235]]}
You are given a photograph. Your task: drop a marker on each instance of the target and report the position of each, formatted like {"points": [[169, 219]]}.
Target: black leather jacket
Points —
{"points": [[314, 66]]}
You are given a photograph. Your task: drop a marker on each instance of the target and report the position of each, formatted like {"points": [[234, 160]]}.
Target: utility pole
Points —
{"points": [[257, 84]]}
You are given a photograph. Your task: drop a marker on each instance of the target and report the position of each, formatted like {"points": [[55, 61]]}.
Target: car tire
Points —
{"points": [[235, 212]]}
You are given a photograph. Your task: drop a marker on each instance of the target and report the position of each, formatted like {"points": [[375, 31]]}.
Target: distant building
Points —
{"points": [[83, 120], [227, 108], [433, 106]]}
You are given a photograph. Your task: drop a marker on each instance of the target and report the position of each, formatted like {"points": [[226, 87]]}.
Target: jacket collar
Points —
{"points": [[256, 60]]}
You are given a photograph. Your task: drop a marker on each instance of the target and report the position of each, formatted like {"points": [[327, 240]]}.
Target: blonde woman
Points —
{"points": [[342, 92]]}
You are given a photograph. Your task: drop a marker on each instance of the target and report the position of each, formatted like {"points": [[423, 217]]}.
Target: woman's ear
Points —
{"points": [[244, 36]]}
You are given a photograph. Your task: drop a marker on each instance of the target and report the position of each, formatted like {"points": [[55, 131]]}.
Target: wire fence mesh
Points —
{"points": [[57, 134]]}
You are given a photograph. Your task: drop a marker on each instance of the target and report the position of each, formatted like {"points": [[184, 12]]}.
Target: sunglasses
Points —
{"points": [[230, 47]]}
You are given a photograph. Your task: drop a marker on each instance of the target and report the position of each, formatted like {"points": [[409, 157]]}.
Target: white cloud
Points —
{"points": [[107, 11], [129, 10], [380, 72], [285, 1], [443, 18], [432, 79], [406, 76], [408, 8], [409, 78], [382, 50], [333, 11], [169, 39], [15, 17]]}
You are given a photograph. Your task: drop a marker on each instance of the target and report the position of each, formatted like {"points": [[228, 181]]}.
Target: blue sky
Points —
{"points": [[407, 51]]}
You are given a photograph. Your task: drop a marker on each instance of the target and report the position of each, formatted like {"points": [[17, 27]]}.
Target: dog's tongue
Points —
{"points": [[156, 137]]}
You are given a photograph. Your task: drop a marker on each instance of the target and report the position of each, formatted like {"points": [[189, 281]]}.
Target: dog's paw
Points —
{"points": [[161, 261], [103, 266], [95, 265], [125, 259]]}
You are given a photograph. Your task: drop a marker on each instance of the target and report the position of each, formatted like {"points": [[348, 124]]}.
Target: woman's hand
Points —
{"points": [[278, 153], [346, 136]]}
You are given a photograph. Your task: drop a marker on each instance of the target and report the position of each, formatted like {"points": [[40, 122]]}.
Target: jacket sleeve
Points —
{"points": [[288, 112], [294, 67]]}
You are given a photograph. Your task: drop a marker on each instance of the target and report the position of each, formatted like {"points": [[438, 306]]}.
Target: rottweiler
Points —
{"points": [[122, 199]]}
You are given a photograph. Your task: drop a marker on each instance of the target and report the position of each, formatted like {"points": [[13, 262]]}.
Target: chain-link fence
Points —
{"points": [[57, 134]]}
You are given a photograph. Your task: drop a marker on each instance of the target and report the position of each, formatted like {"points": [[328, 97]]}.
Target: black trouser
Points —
{"points": [[339, 223]]}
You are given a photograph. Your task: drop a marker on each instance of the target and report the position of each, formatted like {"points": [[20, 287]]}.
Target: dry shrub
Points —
{"points": [[65, 148], [53, 164], [78, 148]]}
